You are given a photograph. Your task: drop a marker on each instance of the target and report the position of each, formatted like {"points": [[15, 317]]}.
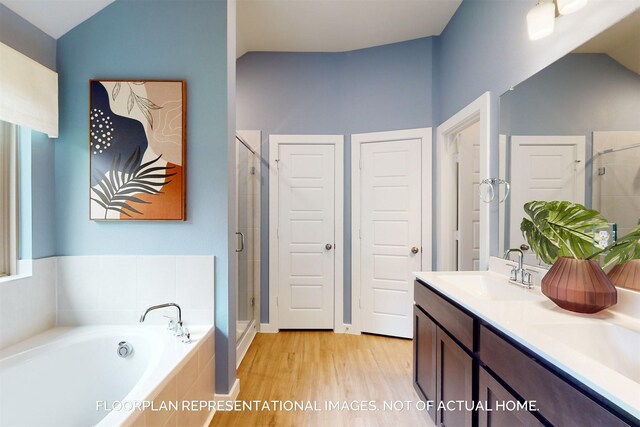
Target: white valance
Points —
{"points": [[28, 92]]}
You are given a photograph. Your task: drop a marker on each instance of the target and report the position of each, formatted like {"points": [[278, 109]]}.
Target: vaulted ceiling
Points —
{"points": [[283, 25]]}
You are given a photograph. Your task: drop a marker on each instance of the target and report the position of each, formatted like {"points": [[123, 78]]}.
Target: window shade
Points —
{"points": [[28, 92]]}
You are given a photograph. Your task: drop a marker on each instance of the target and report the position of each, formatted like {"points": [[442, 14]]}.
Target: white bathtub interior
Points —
{"points": [[58, 377]]}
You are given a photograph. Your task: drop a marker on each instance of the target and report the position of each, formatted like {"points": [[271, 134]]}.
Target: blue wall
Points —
{"points": [[26, 38], [485, 47], [576, 95], [132, 39], [37, 201], [382, 88], [144, 39]]}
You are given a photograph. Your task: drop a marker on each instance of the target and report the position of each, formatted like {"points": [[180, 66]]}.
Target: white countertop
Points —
{"points": [[566, 339]]}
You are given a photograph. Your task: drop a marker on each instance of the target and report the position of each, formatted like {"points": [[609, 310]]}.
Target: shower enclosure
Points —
{"points": [[247, 236]]}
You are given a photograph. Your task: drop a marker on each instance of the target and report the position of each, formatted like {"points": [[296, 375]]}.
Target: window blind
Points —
{"points": [[28, 92]]}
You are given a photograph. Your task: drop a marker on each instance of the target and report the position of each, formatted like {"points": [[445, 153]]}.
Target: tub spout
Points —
{"points": [[169, 304]]}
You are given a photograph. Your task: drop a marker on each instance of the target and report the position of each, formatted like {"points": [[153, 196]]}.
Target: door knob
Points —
{"points": [[328, 246], [415, 250]]}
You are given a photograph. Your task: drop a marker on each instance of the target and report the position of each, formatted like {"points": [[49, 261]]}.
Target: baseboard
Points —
{"points": [[209, 418], [268, 328], [353, 331], [245, 343], [233, 393], [346, 328]]}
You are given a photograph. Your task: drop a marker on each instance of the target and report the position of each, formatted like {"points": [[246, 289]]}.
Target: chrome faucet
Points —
{"points": [[175, 326], [519, 270]]}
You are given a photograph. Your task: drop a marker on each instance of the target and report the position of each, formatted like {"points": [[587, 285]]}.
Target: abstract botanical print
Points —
{"points": [[137, 150]]}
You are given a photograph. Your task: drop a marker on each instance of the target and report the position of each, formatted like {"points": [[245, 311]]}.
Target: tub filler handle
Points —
{"points": [[124, 349]]}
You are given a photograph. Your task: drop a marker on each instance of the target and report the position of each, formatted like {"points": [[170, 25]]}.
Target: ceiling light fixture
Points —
{"points": [[565, 7], [541, 19]]}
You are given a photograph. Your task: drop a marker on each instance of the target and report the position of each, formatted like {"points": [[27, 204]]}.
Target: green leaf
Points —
{"points": [[115, 190], [560, 228], [626, 248]]}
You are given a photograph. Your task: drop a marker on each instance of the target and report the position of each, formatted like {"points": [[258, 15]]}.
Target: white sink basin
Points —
{"points": [[614, 346], [486, 286]]}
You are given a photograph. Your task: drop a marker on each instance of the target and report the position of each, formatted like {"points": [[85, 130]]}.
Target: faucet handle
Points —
{"points": [[171, 326], [526, 278], [514, 273], [186, 336]]}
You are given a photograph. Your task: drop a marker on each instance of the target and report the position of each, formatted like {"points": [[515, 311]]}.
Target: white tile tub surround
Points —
{"points": [[94, 290], [28, 304], [191, 381]]}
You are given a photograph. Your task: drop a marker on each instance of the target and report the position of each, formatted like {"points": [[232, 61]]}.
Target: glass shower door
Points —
{"points": [[245, 217]]}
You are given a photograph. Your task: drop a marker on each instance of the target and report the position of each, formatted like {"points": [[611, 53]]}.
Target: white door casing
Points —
{"points": [[305, 215], [544, 168], [446, 173], [391, 214], [468, 200]]}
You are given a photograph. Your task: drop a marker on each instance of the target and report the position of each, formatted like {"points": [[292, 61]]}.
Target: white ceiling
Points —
{"points": [[56, 17], [621, 42], [337, 25], [283, 25]]}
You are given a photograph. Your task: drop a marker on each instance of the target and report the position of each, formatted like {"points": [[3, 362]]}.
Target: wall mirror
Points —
{"points": [[572, 132]]}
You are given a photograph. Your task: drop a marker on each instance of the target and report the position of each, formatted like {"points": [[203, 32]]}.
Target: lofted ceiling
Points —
{"points": [[283, 25], [56, 17], [337, 25], [621, 42]]}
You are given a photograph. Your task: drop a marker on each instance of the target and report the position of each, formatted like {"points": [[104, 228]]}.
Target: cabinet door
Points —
{"points": [[424, 358], [492, 397], [454, 383]]}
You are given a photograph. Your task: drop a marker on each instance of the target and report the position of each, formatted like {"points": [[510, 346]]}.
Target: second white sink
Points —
{"points": [[612, 345]]}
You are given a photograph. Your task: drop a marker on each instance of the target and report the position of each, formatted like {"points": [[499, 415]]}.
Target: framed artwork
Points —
{"points": [[137, 150]]}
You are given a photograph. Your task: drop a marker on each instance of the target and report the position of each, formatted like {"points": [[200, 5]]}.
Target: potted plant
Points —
{"points": [[625, 256], [561, 233]]}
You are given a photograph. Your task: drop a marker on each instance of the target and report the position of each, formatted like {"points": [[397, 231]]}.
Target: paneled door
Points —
{"points": [[306, 236], [390, 236], [544, 168], [469, 198]]}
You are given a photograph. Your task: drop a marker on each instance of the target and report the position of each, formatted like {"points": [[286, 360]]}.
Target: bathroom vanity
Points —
{"points": [[488, 353]]}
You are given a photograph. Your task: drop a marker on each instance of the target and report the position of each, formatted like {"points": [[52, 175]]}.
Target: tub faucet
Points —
{"points": [[176, 327]]}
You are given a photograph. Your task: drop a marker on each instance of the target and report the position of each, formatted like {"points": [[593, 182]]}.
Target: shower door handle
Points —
{"points": [[241, 241]]}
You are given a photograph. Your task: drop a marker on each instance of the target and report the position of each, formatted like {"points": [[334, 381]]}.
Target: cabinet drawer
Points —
{"points": [[558, 401], [451, 318], [490, 394]]}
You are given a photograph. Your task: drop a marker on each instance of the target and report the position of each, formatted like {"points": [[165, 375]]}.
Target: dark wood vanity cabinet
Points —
{"points": [[491, 391], [460, 358], [443, 368], [424, 366], [454, 375]]}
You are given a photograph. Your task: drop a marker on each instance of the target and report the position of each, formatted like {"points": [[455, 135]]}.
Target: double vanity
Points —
{"points": [[490, 353]]}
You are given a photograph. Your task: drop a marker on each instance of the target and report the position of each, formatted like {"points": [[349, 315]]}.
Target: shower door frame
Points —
{"points": [[253, 138]]}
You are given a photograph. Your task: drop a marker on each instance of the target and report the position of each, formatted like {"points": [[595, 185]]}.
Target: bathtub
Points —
{"points": [[74, 377]]}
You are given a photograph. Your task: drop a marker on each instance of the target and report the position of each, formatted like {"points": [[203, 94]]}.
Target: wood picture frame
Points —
{"points": [[137, 150]]}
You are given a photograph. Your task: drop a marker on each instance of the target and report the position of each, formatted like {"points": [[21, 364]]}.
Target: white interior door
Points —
{"points": [[306, 236], [390, 192], [469, 198], [544, 168]]}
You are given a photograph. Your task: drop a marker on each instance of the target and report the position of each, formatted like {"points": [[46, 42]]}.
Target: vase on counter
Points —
{"points": [[626, 275], [579, 285]]}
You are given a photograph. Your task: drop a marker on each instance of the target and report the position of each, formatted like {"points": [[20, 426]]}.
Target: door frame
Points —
{"points": [[446, 173], [357, 140], [274, 214], [253, 138]]}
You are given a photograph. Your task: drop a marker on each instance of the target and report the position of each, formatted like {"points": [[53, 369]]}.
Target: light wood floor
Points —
{"points": [[320, 366]]}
